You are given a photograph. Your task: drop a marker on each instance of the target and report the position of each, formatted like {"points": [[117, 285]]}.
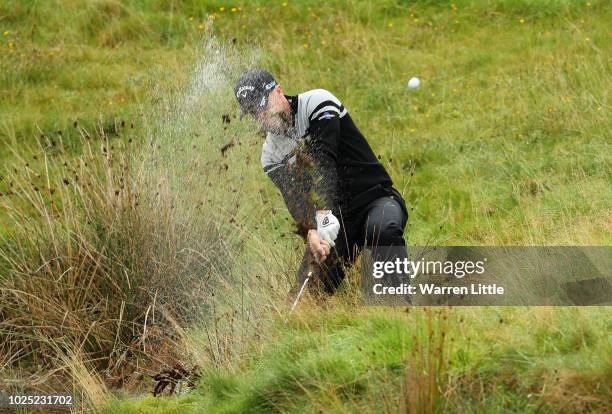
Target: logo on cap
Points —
{"points": [[242, 91], [270, 85]]}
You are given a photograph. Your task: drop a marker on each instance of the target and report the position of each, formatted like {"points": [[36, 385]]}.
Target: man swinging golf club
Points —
{"points": [[340, 196]]}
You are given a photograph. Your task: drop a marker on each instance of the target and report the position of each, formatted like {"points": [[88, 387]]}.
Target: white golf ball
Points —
{"points": [[414, 83]]}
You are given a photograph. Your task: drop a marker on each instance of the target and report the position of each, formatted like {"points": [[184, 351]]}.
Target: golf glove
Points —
{"points": [[328, 226]]}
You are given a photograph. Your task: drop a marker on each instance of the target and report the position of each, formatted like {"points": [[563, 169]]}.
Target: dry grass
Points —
{"points": [[90, 258], [426, 379]]}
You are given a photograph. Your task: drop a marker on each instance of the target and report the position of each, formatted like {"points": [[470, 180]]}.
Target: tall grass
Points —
{"points": [[109, 255], [131, 242], [88, 259], [426, 381]]}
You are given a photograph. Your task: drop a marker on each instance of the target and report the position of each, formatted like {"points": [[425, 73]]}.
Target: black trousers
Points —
{"points": [[379, 223]]}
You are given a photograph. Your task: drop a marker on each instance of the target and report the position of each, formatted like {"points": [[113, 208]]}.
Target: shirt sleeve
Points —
{"points": [[325, 134]]}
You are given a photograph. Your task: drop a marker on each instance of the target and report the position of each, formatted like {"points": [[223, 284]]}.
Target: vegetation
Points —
{"points": [[130, 243], [337, 360]]}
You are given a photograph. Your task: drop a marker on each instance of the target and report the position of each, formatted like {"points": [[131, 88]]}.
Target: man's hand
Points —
{"points": [[319, 248], [328, 226]]}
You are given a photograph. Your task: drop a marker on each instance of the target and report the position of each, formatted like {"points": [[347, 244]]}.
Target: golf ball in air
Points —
{"points": [[414, 83]]}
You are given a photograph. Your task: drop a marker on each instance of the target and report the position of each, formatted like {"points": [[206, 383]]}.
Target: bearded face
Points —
{"points": [[279, 123]]}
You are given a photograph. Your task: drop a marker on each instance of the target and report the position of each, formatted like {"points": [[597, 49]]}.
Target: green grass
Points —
{"points": [[506, 137], [339, 360], [506, 142]]}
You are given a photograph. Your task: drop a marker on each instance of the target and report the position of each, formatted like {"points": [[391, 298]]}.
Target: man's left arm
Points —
{"points": [[325, 135]]}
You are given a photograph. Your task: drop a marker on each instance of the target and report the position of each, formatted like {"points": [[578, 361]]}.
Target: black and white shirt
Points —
{"points": [[324, 162]]}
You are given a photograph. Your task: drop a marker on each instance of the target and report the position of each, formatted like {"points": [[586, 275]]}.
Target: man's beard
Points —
{"points": [[284, 125]]}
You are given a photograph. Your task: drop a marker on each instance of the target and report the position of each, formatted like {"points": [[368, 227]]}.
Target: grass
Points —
{"points": [[508, 109], [161, 252], [338, 360]]}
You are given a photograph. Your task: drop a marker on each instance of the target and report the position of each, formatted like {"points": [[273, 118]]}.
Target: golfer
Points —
{"points": [[340, 196]]}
